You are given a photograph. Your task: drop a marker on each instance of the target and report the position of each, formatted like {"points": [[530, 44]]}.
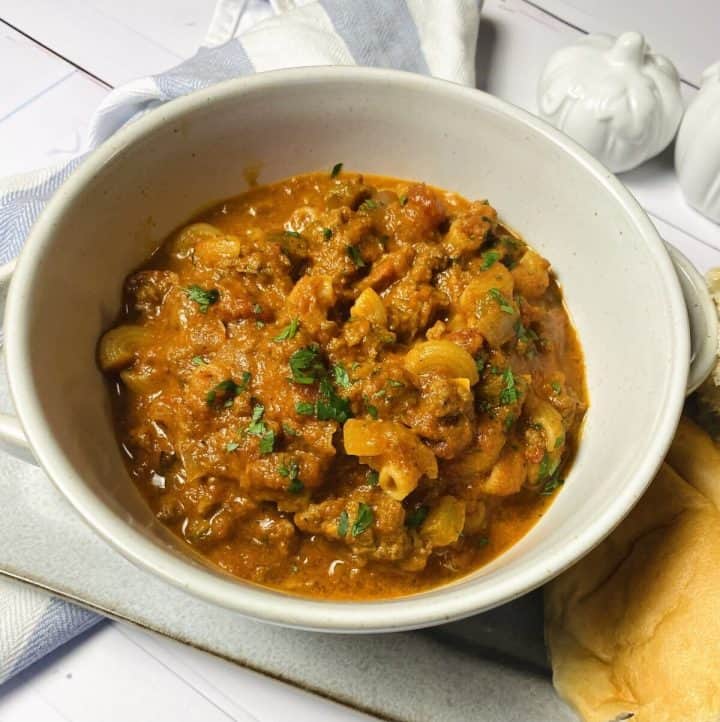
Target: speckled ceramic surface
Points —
{"points": [[491, 667]]}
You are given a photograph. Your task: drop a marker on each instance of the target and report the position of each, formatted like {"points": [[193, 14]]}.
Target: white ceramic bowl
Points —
{"points": [[619, 283]]}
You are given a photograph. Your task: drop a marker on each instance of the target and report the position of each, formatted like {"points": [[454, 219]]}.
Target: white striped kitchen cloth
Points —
{"points": [[432, 37]]}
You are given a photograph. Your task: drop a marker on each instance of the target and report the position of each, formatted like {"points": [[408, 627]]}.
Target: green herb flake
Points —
{"points": [[289, 431], [372, 410], [368, 205], [327, 233], [289, 331], [553, 483], [394, 383], [199, 361], [403, 199], [372, 477], [257, 308], [363, 520], [544, 469], [340, 376], [292, 234], [306, 365], [291, 471], [305, 408], [336, 169], [416, 517], [488, 259], [267, 442], [224, 393], [257, 413], [482, 541], [556, 387], [204, 298], [258, 427], [525, 334], [559, 441], [505, 305], [342, 523], [509, 394], [232, 446], [296, 486], [353, 253], [510, 419], [330, 406]]}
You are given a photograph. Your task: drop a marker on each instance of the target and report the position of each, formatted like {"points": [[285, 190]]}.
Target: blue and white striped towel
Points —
{"points": [[433, 37]]}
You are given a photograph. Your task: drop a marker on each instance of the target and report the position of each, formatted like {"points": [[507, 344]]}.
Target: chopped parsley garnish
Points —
{"points": [[372, 410], [335, 172], [330, 406], [480, 362], [256, 423], [257, 308], [544, 469], [509, 394], [292, 234], [307, 368], [505, 305], [259, 428], [291, 472], [416, 517], [327, 233], [232, 446], [363, 520], [340, 376], [289, 430], [354, 255], [368, 205], [482, 541], [267, 442], [306, 365], [403, 199], [554, 482], [525, 334], [289, 331], [224, 393], [203, 298], [199, 361], [343, 523], [305, 408], [510, 419], [372, 478], [556, 387], [489, 259]]}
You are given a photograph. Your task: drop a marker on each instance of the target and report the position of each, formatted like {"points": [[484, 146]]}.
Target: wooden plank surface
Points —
{"points": [[57, 61]]}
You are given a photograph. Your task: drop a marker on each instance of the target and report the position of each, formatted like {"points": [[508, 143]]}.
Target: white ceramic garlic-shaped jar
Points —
{"points": [[697, 151], [615, 97]]}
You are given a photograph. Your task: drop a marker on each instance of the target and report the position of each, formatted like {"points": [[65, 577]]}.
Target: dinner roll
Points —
{"points": [[633, 629]]}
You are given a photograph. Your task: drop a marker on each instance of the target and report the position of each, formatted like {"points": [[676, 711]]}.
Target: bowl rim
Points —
{"points": [[435, 606]]}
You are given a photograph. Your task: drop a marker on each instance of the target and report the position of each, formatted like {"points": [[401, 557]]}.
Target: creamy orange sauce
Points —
{"points": [[346, 386]]}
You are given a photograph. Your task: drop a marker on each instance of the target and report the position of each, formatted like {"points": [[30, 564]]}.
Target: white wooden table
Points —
{"points": [[57, 61]]}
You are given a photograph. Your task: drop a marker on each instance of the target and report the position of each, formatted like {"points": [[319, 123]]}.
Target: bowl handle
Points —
{"points": [[703, 318], [12, 436]]}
